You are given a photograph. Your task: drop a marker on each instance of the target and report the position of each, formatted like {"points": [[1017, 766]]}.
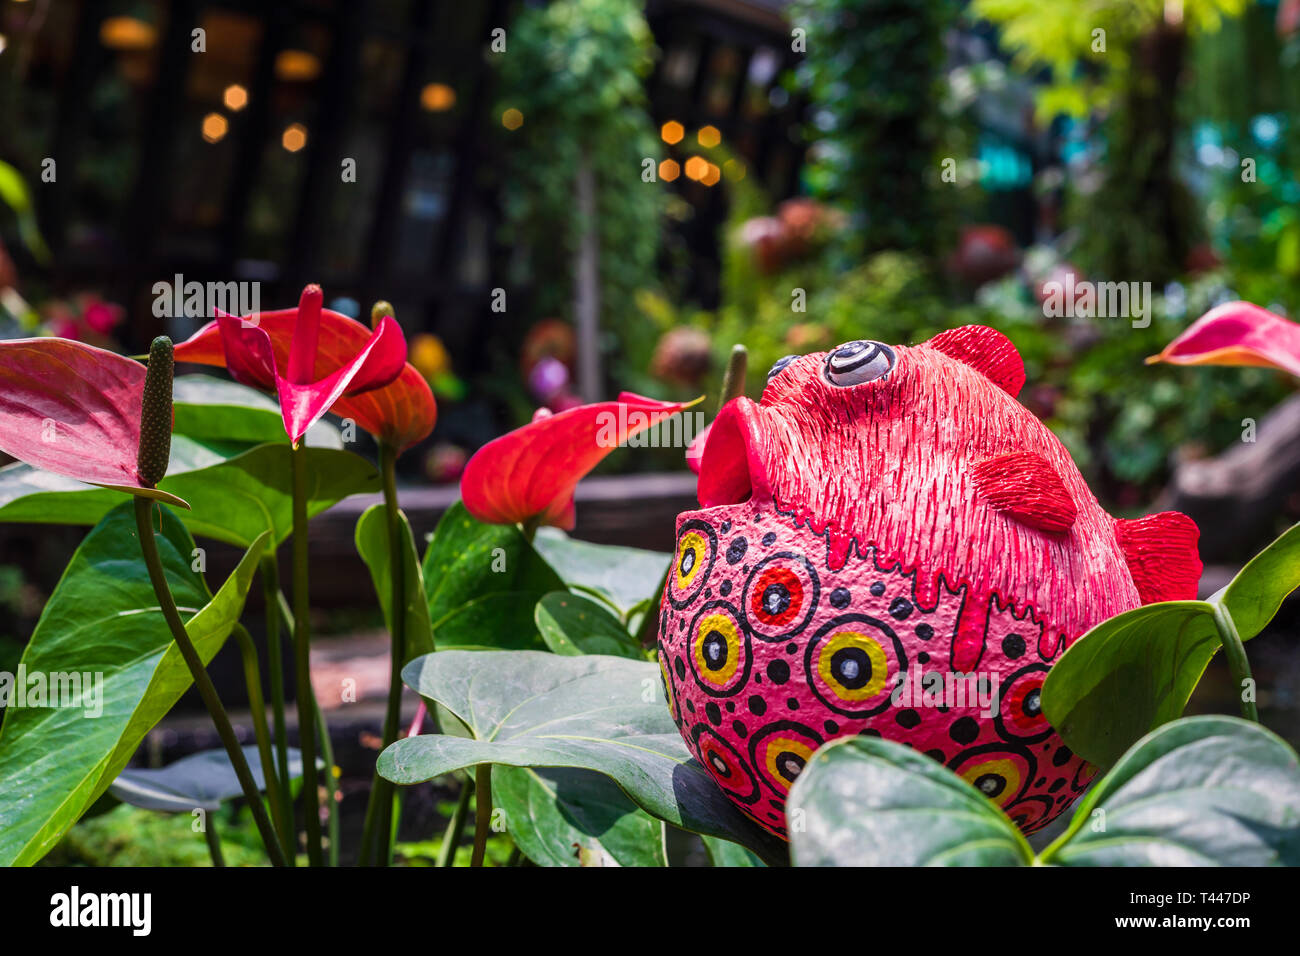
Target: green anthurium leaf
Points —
{"points": [[863, 801], [1200, 791], [482, 582], [1128, 675], [103, 620], [200, 781], [573, 624], [41, 497], [1258, 590], [233, 496], [725, 853], [560, 816], [213, 408], [372, 545], [624, 577], [607, 714], [251, 493]]}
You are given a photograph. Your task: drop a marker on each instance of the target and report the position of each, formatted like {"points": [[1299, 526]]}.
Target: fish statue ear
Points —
{"points": [[1161, 554], [985, 350]]}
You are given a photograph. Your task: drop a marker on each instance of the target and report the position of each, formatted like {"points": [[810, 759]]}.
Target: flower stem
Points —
{"points": [[213, 839], [482, 811], [456, 826], [149, 547], [302, 658], [331, 802], [1238, 663], [270, 573], [256, 704], [376, 838]]}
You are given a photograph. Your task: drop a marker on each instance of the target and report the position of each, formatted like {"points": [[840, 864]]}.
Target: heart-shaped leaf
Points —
{"points": [[1137, 670], [573, 624], [1129, 674], [560, 816], [530, 709], [71, 408], [863, 801], [530, 473], [103, 619], [1258, 590], [200, 781], [372, 545], [1196, 792], [1201, 791], [232, 498], [42, 497], [482, 582], [624, 577]]}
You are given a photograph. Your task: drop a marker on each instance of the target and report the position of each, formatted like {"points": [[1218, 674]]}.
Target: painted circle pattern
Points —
{"points": [[766, 652]]}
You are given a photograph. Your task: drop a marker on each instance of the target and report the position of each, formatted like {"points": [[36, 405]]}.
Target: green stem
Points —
{"points": [[149, 547], [213, 838], [270, 572], [456, 827], [482, 811], [331, 803], [302, 658], [1238, 664], [381, 818], [256, 704]]}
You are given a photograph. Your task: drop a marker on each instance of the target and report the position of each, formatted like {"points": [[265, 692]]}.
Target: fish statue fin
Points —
{"points": [[1160, 551], [985, 350], [1024, 486]]}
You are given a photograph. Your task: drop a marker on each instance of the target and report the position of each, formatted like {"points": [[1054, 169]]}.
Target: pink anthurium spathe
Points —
{"points": [[308, 345], [74, 410], [529, 474], [1237, 333]]}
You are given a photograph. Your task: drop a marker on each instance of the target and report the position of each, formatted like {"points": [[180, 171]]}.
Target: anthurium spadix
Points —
{"points": [[75, 410], [1237, 333], [528, 475], [316, 361]]}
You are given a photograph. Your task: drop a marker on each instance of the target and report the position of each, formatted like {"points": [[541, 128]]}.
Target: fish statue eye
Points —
{"points": [[779, 366], [856, 362]]}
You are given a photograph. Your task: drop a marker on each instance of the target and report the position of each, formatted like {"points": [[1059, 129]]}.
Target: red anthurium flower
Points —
{"points": [[318, 360], [530, 473], [74, 409], [1237, 333]]}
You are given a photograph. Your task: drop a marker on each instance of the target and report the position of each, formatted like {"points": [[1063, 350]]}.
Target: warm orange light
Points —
{"points": [[294, 137], [127, 33], [512, 119], [711, 175], [296, 66], [697, 167], [672, 132], [669, 170], [235, 97], [437, 97], [708, 137], [214, 127]]}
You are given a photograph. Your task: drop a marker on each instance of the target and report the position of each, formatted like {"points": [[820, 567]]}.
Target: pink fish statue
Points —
{"points": [[890, 544]]}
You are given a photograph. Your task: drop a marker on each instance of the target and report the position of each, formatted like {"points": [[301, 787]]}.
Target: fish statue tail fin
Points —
{"points": [[1161, 554]]}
